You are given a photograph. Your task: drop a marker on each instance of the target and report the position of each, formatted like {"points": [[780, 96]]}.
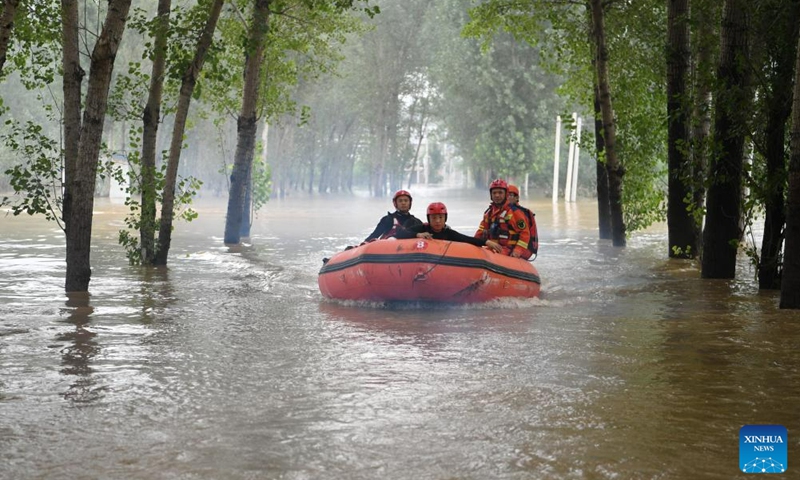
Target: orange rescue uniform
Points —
{"points": [[507, 226]]}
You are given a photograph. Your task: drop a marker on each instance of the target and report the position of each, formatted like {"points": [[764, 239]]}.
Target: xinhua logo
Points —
{"points": [[762, 449]]}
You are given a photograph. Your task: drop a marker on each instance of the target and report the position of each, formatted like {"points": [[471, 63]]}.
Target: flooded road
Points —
{"points": [[230, 364]]}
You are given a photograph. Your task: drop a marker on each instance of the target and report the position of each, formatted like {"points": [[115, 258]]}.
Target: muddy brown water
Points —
{"points": [[229, 364]]}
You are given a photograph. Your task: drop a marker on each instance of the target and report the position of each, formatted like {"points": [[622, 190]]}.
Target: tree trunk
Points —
{"points": [[790, 283], [312, 162], [379, 186], [150, 120], [603, 205], [615, 170], [73, 77], [81, 185], [247, 207], [778, 104], [701, 114], [423, 124], [683, 241], [188, 83], [6, 27], [733, 100], [247, 122]]}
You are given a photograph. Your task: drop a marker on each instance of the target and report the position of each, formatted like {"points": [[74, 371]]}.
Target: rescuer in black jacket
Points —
{"points": [[391, 223]]}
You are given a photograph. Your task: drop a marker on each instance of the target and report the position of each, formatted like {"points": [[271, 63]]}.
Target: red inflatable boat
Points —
{"points": [[426, 270]]}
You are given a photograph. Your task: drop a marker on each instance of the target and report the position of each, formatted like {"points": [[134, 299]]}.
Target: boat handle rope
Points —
{"points": [[424, 275]]}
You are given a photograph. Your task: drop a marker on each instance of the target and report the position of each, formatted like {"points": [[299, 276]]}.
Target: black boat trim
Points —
{"points": [[430, 258]]}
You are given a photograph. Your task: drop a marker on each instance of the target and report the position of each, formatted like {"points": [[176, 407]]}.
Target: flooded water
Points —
{"points": [[231, 365]]}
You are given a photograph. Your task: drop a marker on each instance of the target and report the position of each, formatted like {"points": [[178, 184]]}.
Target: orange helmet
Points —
{"points": [[513, 189], [499, 184], [401, 193], [437, 208]]}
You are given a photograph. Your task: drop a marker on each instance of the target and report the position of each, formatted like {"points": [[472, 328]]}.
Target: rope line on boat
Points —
{"points": [[426, 258], [435, 264]]}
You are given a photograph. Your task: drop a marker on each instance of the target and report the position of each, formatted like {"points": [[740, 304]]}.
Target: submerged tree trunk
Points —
{"points": [[247, 207], [683, 242], [601, 169], [615, 170], [423, 124], [188, 83], [733, 100], [778, 110], [6, 27], [247, 123], [701, 116], [81, 177], [603, 206], [150, 120], [73, 78], [790, 283]]}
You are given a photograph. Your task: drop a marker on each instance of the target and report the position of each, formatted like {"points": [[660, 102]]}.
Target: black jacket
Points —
{"points": [[446, 234], [387, 222]]}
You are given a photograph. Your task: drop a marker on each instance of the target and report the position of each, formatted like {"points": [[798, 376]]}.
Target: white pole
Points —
{"points": [[568, 189], [425, 162], [555, 161], [525, 187], [575, 161]]}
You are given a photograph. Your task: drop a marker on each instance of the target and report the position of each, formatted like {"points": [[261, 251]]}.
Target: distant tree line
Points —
{"points": [[692, 105]]}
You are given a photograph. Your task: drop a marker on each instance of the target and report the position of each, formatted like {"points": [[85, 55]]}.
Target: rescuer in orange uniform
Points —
{"points": [[513, 199], [504, 223]]}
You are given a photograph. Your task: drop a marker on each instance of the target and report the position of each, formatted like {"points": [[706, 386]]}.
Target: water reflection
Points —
{"points": [[157, 292], [232, 365], [82, 347]]}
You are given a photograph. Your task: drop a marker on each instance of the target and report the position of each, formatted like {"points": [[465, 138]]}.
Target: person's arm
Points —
{"points": [[383, 226], [455, 236], [410, 232], [410, 222]]}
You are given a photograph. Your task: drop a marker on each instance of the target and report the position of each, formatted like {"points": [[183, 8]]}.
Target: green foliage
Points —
{"points": [[683, 252], [755, 180], [262, 184], [750, 249], [37, 180], [35, 50], [128, 94], [185, 191], [302, 43], [635, 34], [497, 102]]}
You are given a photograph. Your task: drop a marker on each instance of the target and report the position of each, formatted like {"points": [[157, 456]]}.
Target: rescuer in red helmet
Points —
{"points": [[513, 200], [504, 223], [391, 223], [437, 229]]}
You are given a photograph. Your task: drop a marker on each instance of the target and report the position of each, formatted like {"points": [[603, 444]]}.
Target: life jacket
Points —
{"points": [[399, 221], [498, 228], [533, 243]]}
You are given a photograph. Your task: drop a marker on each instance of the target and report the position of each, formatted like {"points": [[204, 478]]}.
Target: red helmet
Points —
{"points": [[499, 184], [437, 208], [401, 193], [513, 189]]}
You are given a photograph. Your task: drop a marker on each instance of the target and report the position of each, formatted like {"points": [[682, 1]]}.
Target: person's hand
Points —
{"points": [[424, 235], [515, 254], [494, 246]]}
